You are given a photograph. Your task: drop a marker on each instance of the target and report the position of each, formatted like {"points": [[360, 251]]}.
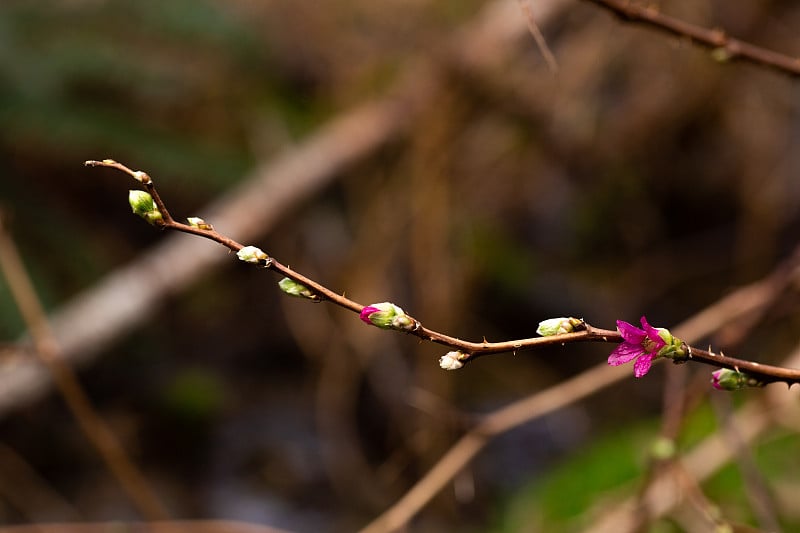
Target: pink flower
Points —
{"points": [[642, 345]]}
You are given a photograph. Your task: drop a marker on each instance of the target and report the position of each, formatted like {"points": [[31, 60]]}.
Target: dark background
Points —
{"points": [[643, 177]]}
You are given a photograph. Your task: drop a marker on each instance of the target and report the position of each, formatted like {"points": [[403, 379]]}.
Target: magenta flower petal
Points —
{"points": [[625, 353], [652, 334], [639, 345], [642, 365], [368, 310], [715, 379], [631, 333]]}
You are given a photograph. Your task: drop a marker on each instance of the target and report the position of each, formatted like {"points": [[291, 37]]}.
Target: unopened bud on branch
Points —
{"points": [[386, 315], [298, 290], [558, 326], [143, 205], [252, 254], [673, 348], [730, 380], [199, 223], [453, 360]]}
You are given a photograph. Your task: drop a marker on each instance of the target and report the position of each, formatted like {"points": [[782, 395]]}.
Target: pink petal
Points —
{"points": [[630, 333], [642, 365], [624, 353], [368, 310], [652, 334]]}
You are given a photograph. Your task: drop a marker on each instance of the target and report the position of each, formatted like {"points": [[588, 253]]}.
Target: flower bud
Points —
{"points": [[298, 290], [199, 223], [558, 326], [143, 205], [453, 360], [252, 254], [730, 380], [386, 315], [674, 348]]}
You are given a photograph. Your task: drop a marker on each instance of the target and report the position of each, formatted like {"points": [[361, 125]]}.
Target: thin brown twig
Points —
{"points": [[469, 351], [541, 42], [725, 48], [47, 349]]}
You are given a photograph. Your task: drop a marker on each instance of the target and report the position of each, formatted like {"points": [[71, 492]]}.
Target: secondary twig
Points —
{"points": [[541, 42], [46, 348], [724, 47]]}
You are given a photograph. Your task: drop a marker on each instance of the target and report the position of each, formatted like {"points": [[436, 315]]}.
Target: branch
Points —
{"points": [[703, 460], [724, 48], [393, 317], [90, 322], [47, 350], [740, 304]]}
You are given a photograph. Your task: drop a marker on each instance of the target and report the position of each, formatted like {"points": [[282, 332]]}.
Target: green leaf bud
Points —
{"points": [[730, 380], [143, 205], [298, 290], [674, 348]]}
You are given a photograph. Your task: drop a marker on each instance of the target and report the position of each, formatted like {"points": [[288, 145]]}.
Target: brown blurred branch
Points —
{"points": [[24, 489], [541, 42], [46, 348], [500, 421], [725, 47]]}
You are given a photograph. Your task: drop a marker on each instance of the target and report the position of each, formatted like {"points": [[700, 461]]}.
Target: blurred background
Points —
{"points": [[413, 151]]}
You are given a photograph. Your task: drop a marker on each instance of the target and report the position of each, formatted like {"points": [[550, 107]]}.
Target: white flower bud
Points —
{"points": [[252, 254], [199, 223], [452, 360]]}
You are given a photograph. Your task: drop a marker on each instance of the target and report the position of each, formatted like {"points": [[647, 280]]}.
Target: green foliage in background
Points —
{"points": [[149, 81], [611, 468]]}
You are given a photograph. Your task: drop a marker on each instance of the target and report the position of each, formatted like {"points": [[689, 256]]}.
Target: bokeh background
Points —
{"points": [[643, 177]]}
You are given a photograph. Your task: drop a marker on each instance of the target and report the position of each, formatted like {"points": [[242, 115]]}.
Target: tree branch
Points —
{"points": [[724, 47], [467, 351], [90, 422]]}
